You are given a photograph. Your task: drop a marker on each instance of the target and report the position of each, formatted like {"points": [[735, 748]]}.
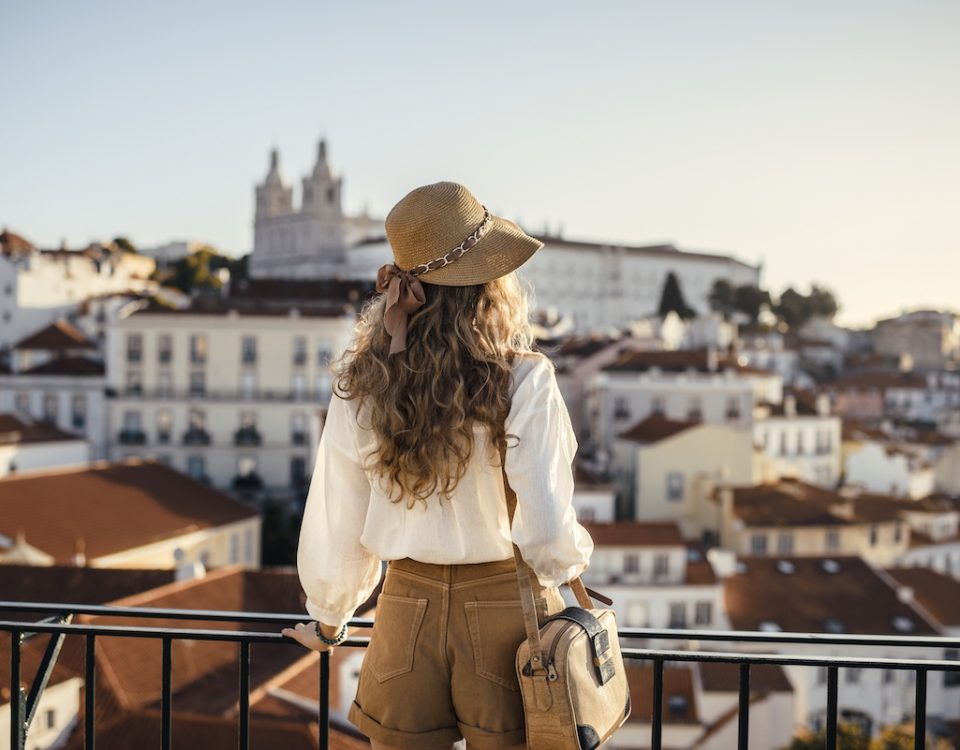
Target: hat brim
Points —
{"points": [[504, 248]]}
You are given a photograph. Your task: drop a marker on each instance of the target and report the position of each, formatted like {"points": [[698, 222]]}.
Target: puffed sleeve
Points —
{"points": [[540, 471], [337, 573]]}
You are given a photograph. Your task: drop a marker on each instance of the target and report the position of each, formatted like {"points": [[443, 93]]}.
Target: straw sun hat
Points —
{"points": [[441, 234]]}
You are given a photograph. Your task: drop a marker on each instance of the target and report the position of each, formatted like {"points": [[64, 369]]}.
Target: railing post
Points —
{"points": [[743, 729], [165, 697], [324, 714], [920, 712], [656, 724], [90, 693], [832, 677], [244, 695], [17, 698]]}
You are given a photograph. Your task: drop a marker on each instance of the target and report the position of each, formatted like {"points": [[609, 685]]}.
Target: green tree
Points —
{"points": [[124, 244], [749, 300], [671, 299], [848, 738], [902, 738], [822, 302], [721, 297]]}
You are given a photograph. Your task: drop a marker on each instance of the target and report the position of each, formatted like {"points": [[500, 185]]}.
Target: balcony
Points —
{"points": [[59, 623], [250, 482], [196, 436], [247, 436], [319, 396], [131, 437]]}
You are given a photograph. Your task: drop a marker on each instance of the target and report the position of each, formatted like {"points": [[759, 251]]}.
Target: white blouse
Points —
{"points": [[349, 523]]}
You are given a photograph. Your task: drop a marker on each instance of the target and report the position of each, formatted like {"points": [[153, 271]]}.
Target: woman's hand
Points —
{"points": [[306, 635]]}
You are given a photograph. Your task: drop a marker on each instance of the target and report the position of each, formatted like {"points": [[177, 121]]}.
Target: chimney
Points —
{"points": [[79, 554], [823, 404]]}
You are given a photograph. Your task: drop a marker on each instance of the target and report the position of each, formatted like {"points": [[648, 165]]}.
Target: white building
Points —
{"points": [[886, 467], [232, 389], [604, 286], [694, 385], [39, 286], [57, 376], [801, 437], [315, 240], [654, 579], [26, 444]]}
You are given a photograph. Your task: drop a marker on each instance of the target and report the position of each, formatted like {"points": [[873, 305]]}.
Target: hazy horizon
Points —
{"points": [[820, 140]]}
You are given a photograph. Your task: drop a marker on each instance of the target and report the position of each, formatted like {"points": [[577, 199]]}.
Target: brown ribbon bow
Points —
{"points": [[404, 295]]}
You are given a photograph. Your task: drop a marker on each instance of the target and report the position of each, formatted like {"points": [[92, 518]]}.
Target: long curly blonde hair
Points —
{"points": [[423, 403]]}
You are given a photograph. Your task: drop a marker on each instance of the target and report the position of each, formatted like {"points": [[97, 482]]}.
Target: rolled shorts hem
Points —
{"points": [[482, 738], [376, 731]]}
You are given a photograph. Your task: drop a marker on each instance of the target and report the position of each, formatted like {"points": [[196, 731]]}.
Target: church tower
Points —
{"points": [[273, 197], [321, 190]]}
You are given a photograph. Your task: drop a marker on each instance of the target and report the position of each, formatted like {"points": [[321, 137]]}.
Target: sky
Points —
{"points": [[820, 139]]}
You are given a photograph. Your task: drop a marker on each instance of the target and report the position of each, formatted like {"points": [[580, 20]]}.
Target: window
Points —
{"points": [[164, 348], [51, 718], [50, 404], [165, 383], [198, 383], [324, 355], [324, 380], [196, 467], [678, 615], [874, 536], [298, 471], [78, 411], [703, 613], [951, 679], [298, 428], [621, 409], [299, 350], [852, 675], [198, 420], [248, 350], [661, 565], [898, 532], [164, 426], [785, 543], [131, 421], [833, 540], [674, 485], [248, 384], [234, 548], [198, 349], [134, 348], [783, 443], [821, 675], [299, 386], [658, 406], [695, 409], [246, 465], [22, 402], [758, 544], [586, 515], [889, 676], [134, 382], [800, 448], [631, 563], [733, 407]]}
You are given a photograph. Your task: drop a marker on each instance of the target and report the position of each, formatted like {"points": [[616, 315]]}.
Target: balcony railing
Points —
{"points": [[23, 705], [320, 395], [131, 437], [247, 436]]}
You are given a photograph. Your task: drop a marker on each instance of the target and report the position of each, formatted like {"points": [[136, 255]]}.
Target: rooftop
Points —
{"points": [[678, 360], [58, 336], [111, 507], [20, 430], [635, 533], [818, 595], [655, 428], [937, 593]]}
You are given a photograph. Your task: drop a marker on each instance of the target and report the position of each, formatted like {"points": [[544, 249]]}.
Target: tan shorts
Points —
{"points": [[440, 665]]}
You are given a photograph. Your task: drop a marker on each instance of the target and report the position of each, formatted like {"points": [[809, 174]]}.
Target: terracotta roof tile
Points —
{"points": [[113, 507], [655, 428], [57, 336], [937, 593], [785, 504], [717, 677], [74, 366], [679, 700], [812, 599], [635, 533], [16, 430], [13, 244]]}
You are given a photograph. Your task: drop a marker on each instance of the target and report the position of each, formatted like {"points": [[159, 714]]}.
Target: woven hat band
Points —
{"points": [[459, 250]]}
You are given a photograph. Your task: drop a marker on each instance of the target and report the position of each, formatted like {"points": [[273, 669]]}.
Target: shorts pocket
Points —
{"points": [[496, 632], [393, 642]]}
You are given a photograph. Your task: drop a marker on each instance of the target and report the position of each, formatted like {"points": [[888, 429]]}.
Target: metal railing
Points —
{"points": [[24, 705]]}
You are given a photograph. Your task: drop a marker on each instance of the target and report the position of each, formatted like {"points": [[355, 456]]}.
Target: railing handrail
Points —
{"points": [[750, 636]]}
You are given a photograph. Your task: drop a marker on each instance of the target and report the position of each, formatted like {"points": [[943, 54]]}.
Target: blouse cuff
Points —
{"points": [[327, 616], [563, 576]]}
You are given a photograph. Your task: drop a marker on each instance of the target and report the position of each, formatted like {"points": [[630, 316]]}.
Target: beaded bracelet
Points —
{"points": [[340, 638]]}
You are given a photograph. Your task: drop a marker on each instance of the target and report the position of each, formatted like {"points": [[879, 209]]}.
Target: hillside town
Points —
{"points": [[745, 463]]}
